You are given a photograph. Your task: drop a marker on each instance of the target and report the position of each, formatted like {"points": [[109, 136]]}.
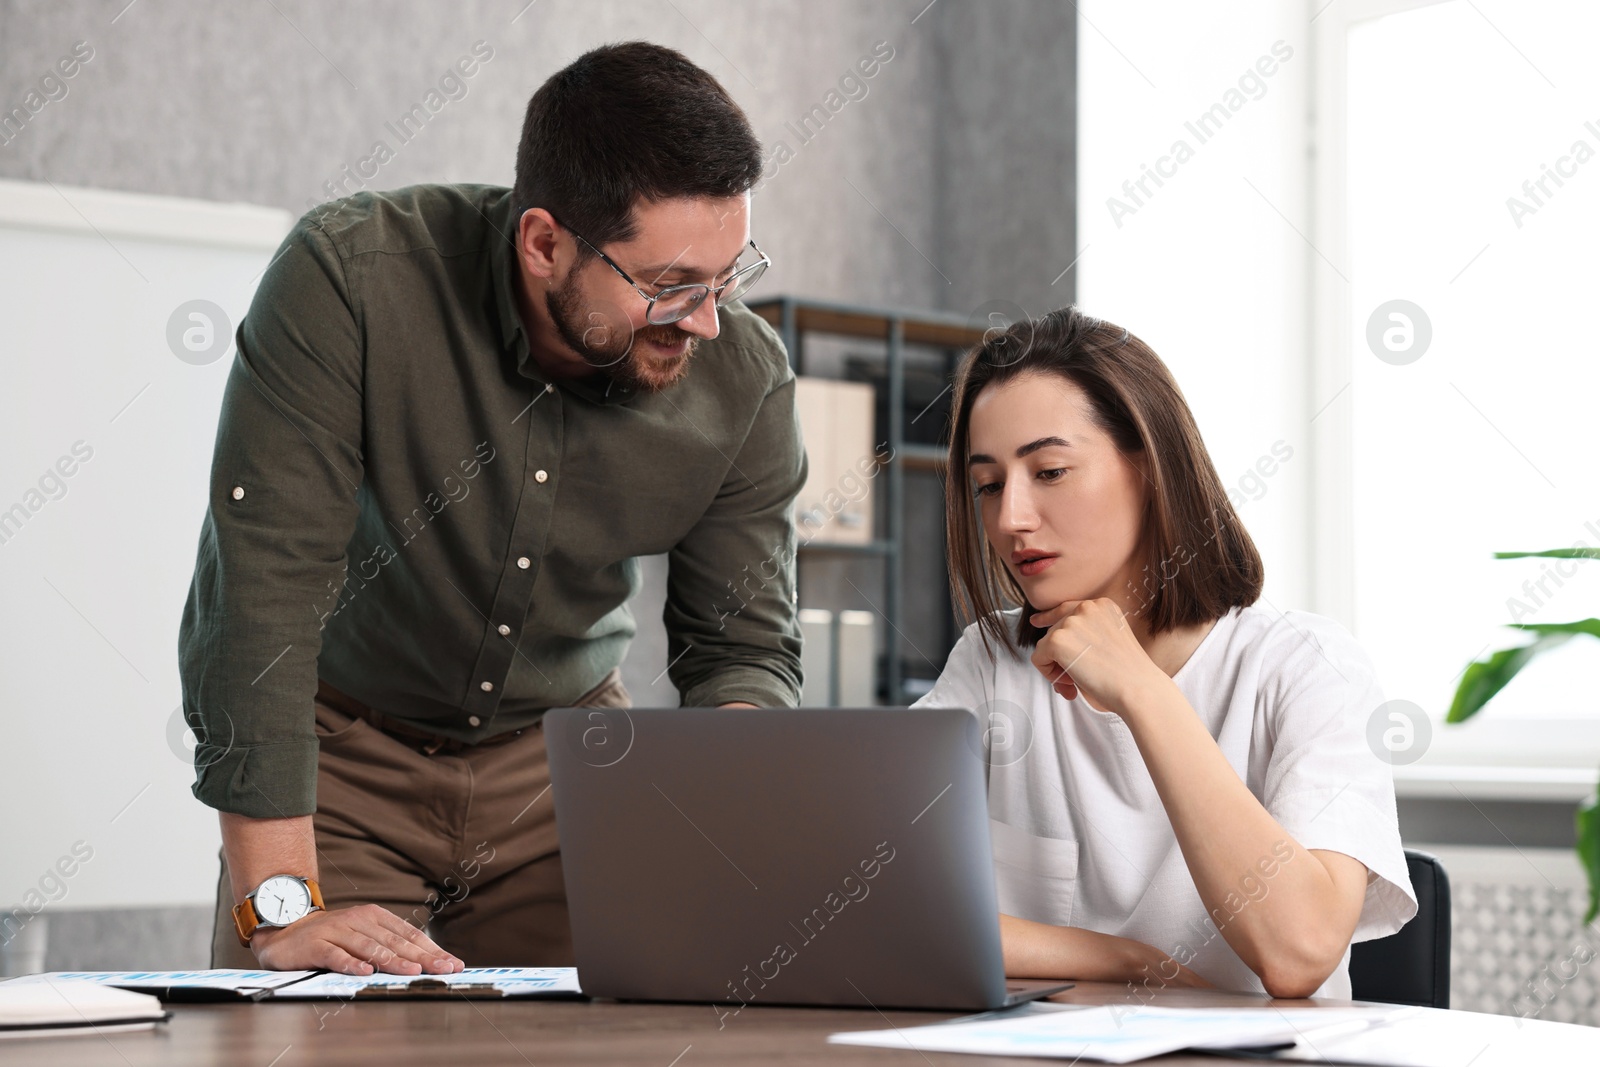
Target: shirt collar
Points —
{"points": [[599, 388]]}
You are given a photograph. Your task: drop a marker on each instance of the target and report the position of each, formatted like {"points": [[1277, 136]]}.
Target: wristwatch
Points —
{"points": [[278, 901]]}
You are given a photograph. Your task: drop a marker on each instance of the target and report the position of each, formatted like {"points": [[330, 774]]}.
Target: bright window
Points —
{"points": [[1473, 170]]}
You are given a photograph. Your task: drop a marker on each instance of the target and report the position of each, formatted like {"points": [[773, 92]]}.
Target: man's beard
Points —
{"points": [[617, 353]]}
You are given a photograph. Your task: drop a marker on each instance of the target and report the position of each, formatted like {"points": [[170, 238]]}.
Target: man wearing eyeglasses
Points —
{"points": [[457, 417]]}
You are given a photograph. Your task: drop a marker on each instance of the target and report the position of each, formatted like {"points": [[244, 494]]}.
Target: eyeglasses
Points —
{"points": [[680, 301]]}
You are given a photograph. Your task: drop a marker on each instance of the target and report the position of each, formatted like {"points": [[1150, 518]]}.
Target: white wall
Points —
{"points": [[1209, 268]]}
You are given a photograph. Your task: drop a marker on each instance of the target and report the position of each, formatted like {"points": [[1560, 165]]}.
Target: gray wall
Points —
{"points": [[963, 143], [950, 183], [1005, 181]]}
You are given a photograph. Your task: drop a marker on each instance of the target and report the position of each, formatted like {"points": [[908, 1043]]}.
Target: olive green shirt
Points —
{"points": [[402, 504]]}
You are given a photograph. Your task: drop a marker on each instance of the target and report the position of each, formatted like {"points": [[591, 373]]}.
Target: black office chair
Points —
{"points": [[1411, 966]]}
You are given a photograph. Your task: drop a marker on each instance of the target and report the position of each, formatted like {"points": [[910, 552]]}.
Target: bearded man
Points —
{"points": [[457, 417]]}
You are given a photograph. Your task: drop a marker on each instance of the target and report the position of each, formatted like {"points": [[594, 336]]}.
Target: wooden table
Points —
{"points": [[477, 1033]]}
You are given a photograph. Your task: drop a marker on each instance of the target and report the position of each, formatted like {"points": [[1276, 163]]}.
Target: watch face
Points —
{"points": [[282, 899]]}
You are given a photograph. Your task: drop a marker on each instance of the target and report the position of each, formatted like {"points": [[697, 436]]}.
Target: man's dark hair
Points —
{"points": [[626, 121]]}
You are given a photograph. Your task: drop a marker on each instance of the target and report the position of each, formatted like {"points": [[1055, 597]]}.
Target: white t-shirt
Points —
{"points": [[1080, 835]]}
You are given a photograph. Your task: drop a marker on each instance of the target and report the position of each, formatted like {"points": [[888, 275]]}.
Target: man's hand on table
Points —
{"points": [[358, 940]]}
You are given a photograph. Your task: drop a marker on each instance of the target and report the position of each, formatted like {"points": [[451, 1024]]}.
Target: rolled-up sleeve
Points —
{"points": [[732, 629], [286, 469], [1324, 783]]}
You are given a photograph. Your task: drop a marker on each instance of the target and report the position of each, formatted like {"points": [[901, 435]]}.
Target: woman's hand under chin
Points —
{"points": [[1090, 649]]}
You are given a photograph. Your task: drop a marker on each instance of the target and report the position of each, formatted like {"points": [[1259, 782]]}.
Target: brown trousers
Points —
{"points": [[461, 845]]}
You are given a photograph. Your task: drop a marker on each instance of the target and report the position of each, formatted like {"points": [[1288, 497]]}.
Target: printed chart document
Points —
{"points": [[48, 1008], [220, 984], [486, 982], [1121, 1034]]}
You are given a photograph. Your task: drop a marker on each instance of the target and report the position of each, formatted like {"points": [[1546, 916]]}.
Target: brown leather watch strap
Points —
{"points": [[245, 919]]}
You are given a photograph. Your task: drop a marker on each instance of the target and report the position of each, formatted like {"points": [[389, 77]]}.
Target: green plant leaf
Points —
{"points": [[1582, 626], [1588, 821], [1553, 553], [1485, 677]]}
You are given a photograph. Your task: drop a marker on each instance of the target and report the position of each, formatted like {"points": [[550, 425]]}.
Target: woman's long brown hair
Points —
{"points": [[1200, 561]]}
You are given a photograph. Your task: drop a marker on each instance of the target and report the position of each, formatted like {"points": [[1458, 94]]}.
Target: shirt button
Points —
{"points": [[541, 477], [524, 562], [473, 720], [487, 687], [238, 491], [504, 629]]}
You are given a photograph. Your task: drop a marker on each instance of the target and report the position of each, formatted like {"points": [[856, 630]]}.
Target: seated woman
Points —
{"points": [[1181, 790]]}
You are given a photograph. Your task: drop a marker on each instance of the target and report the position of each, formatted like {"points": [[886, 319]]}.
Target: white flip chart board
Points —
{"points": [[106, 432]]}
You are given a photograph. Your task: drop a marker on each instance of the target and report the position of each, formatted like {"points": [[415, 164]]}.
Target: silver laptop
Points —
{"points": [[835, 856]]}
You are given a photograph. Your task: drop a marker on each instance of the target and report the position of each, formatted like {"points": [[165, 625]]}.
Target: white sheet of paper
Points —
{"points": [[510, 981], [1432, 1037], [1117, 1034], [243, 982]]}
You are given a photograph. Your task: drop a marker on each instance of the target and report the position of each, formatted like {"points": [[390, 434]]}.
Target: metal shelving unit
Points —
{"points": [[795, 318]]}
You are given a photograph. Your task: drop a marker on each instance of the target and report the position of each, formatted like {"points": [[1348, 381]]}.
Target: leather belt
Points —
{"points": [[422, 740]]}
